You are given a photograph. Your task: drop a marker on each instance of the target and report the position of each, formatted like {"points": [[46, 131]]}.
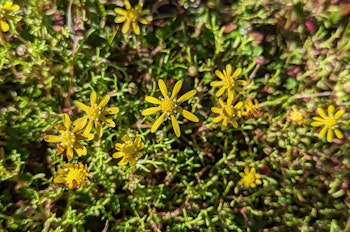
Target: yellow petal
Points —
{"points": [[317, 123], [331, 110], [120, 11], [150, 111], [176, 126], [15, 7], [234, 123], [143, 21], [104, 101], [338, 133], [228, 70], [80, 149], [118, 154], [217, 119], [66, 121], [93, 98], [119, 19], [220, 91], [108, 121], [126, 139], [111, 110], [52, 139], [59, 180], [158, 122], [219, 74], [321, 112], [4, 26], [322, 133], [118, 146], [186, 96], [69, 153], [216, 110], [137, 140], [339, 113], [237, 72], [123, 161], [79, 124], [189, 115], [126, 27], [230, 95], [163, 88], [221, 102], [88, 127], [153, 100], [318, 119], [330, 135], [176, 89], [136, 28], [82, 106], [216, 83], [85, 136], [99, 129], [127, 4], [138, 154], [132, 161], [257, 181]]}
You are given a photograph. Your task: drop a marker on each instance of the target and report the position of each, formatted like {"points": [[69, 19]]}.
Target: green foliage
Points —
{"points": [[291, 54]]}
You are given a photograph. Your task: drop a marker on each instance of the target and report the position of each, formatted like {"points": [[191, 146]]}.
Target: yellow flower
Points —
{"points": [[297, 116], [74, 175], [228, 82], [68, 140], [228, 113], [7, 11], [329, 123], [252, 109], [170, 106], [95, 113], [129, 150], [131, 16], [249, 178]]}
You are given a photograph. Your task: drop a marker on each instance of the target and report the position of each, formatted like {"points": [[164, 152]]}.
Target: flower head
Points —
{"points": [[69, 139], [228, 81], [252, 109], [129, 150], [7, 12], [249, 178], [228, 113], [297, 116], [73, 175], [95, 113], [329, 123], [170, 106], [131, 16]]}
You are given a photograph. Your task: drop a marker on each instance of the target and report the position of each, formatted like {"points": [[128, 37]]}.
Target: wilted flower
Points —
{"points": [[72, 175], [297, 116], [129, 150], [69, 139], [252, 109]]}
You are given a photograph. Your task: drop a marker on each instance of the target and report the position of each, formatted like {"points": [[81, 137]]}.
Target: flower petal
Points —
{"points": [[85, 136], [237, 72], [4, 26], [59, 180], [126, 27], [331, 110], [158, 122], [120, 11], [321, 112], [317, 123], [69, 153], [318, 119], [228, 70], [176, 126], [123, 162], [104, 101], [216, 83], [234, 122], [88, 127], [82, 106], [153, 100], [136, 28], [111, 110], [80, 149], [108, 121], [52, 138], [127, 4], [150, 111], [119, 19], [220, 91], [163, 88], [339, 113], [338, 133], [118, 154], [132, 161], [176, 89], [98, 129], [93, 98], [218, 119], [330, 135], [322, 133], [118, 146], [66, 121], [216, 110], [126, 139], [230, 95], [186, 96], [189, 115], [219, 74]]}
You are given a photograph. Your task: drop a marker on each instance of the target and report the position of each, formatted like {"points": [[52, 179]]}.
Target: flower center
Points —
{"points": [[76, 177], [168, 105], [228, 83], [68, 139], [249, 179], [330, 121], [132, 15], [129, 149], [94, 113]]}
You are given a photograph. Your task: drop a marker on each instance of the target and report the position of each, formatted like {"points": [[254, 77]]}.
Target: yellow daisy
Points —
{"points": [[329, 123], [228, 113], [228, 81], [249, 178], [170, 106], [131, 16], [69, 139], [129, 150], [72, 175], [95, 113]]}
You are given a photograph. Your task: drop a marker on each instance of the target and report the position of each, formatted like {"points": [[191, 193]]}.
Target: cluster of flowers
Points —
{"points": [[75, 175]]}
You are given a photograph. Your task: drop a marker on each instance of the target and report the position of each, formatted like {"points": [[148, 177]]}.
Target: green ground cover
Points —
{"points": [[174, 115]]}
